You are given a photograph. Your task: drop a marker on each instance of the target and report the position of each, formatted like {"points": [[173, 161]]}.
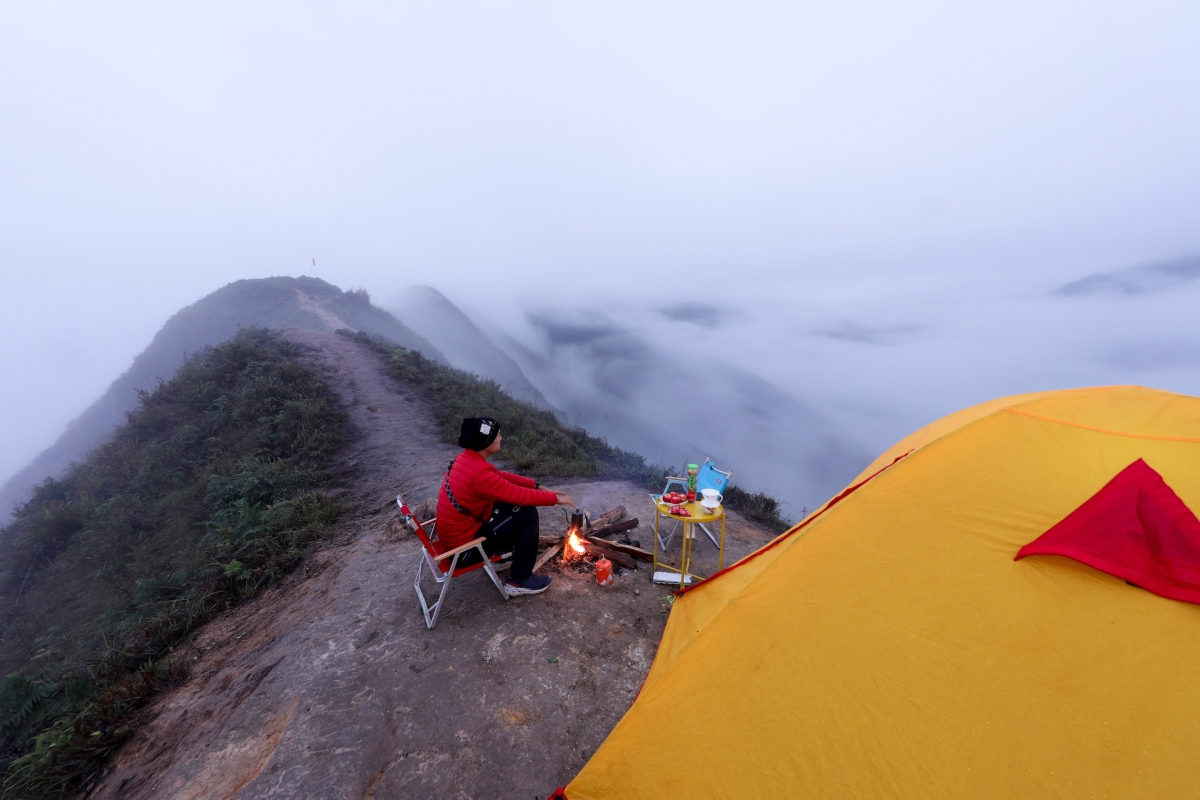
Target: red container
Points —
{"points": [[604, 572]]}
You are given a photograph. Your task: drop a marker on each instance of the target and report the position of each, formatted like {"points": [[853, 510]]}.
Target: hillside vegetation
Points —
{"points": [[278, 302], [207, 494], [534, 438]]}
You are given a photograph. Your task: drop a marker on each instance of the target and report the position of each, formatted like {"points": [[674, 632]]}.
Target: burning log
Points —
{"points": [[612, 555], [579, 539], [573, 545], [636, 552], [602, 526], [608, 530], [565, 544]]}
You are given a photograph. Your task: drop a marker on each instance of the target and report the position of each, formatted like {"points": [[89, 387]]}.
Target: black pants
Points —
{"points": [[512, 528]]}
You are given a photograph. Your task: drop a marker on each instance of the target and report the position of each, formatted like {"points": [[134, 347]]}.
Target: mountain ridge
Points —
{"points": [[275, 302], [428, 312]]}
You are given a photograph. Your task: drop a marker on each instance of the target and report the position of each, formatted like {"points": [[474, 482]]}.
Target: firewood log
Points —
{"points": [[617, 527], [607, 518], [628, 549], [549, 553], [609, 553]]}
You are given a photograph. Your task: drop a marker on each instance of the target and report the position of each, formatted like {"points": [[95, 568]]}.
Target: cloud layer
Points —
{"points": [[870, 208]]}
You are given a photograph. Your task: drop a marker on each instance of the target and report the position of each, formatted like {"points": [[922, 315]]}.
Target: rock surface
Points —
{"points": [[330, 685]]}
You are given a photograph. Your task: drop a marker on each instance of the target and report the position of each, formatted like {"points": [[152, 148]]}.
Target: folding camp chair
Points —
{"points": [[709, 477], [441, 570]]}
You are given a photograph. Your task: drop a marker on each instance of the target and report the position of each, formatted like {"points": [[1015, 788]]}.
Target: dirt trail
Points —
{"points": [[318, 307], [330, 686]]}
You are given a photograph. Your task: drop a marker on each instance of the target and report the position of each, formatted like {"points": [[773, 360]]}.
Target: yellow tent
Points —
{"points": [[891, 646]]}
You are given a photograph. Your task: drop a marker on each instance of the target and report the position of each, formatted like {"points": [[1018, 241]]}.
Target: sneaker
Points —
{"points": [[534, 584]]}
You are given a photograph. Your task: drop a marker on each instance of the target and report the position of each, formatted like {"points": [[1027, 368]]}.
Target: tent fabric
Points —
{"points": [[1135, 528], [891, 646], [807, 521]]}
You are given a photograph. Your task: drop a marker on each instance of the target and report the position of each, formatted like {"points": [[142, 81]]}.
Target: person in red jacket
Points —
{"points": [[476, 499]]}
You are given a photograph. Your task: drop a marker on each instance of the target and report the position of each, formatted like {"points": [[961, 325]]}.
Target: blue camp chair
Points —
{"points": [[709, 477]]}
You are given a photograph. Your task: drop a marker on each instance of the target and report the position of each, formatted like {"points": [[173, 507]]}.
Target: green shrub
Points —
{"points": [[207, 494], [360, 296], [758, 506]]}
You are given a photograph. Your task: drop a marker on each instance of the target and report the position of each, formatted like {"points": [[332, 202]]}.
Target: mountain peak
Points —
{"points": [[275, 302]]}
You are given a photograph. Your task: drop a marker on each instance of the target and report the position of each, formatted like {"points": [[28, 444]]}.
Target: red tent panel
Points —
{"points": [[1135, 528]]}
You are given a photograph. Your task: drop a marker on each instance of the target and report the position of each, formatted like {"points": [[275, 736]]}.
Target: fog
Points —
{"points": [[884, 211]]}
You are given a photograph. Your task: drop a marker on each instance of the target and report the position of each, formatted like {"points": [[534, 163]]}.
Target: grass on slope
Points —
{"points": [[206, 495], [534, 438], [265, 302]]}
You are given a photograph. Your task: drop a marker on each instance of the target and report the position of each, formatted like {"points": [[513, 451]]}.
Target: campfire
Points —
{"points": [[584, 544]]}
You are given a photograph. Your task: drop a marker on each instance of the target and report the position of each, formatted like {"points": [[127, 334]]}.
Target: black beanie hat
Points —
{"points": [[478, 432]]}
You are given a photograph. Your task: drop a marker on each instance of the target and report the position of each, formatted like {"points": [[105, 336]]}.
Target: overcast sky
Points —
{"points": [[879, 198]]}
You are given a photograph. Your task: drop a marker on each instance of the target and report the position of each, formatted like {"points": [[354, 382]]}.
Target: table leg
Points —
{"points": [[685, 558], [721, 550], [657, 539]]}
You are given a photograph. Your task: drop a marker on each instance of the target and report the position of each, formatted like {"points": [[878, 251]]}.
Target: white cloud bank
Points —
{"points": [[880, 198]]}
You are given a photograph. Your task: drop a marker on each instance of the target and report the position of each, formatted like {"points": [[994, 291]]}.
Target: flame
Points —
{"points": [[573, 541]]}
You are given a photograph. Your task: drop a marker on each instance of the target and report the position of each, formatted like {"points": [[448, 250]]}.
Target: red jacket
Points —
{"points": [[477, 485]]}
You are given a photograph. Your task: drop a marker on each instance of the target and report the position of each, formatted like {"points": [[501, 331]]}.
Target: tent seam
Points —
{"points": [[799, 526], [1101, 430], [1021, 399]]}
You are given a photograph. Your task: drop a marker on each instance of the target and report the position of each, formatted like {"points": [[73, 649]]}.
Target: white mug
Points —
{"points": [[713, 496]]}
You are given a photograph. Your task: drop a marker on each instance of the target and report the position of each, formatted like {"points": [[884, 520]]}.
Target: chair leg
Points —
{"points": [[711, 538], [420, 595], [490, 568], [436, 608], [665, 543]]}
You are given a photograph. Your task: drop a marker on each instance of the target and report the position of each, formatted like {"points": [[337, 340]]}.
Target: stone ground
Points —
{"points": [[330, 685]]}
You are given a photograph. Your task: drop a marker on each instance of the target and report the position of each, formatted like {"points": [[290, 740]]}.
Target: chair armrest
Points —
{"points": [[456, 550], [671, 480]]}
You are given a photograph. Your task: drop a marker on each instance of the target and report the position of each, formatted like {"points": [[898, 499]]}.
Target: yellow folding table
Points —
{"points": [[699, 514]]}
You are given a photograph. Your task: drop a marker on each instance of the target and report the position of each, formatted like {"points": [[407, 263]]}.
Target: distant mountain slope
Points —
{"points": [[617, 384], [1140, 280], [267, 302], [429, 313]]}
